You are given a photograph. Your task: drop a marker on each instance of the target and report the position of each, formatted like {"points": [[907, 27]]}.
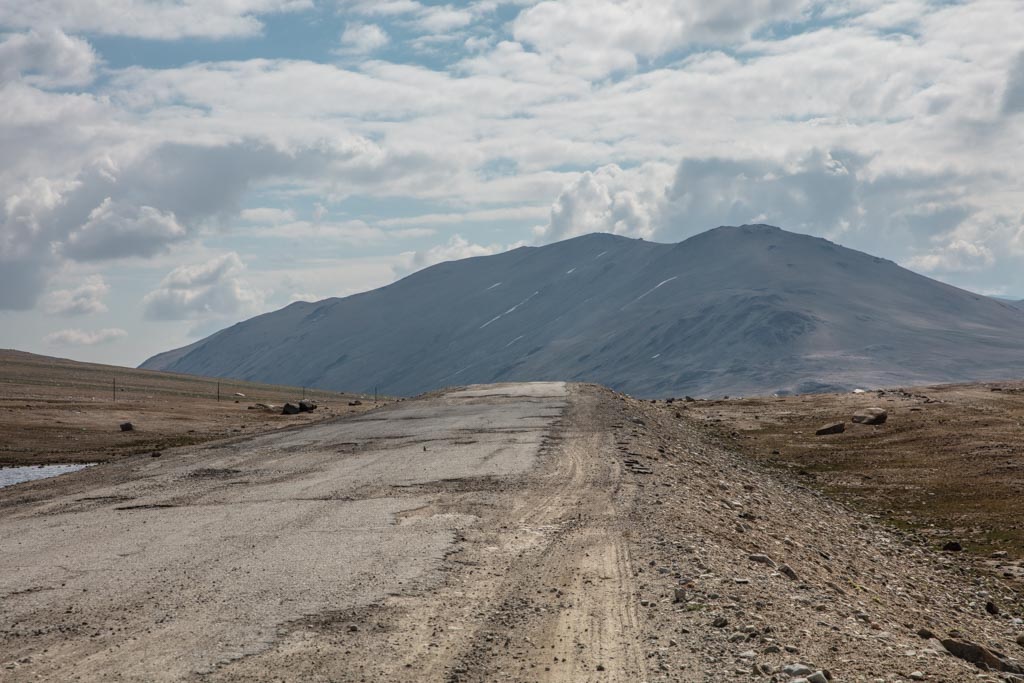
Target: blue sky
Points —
{"points": [[169, 168]]}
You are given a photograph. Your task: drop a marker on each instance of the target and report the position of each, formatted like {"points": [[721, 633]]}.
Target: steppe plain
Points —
{"points": [[540, 531]]}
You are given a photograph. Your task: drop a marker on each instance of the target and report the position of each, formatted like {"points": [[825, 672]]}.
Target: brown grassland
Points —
{"points": [[60, 411], [948, 463]]}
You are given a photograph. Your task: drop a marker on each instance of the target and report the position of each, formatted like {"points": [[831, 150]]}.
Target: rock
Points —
{"points": [[239, 394], [357, 402], [834, 428], [720, 622], [290, 409], [155, 454], [786, 570], [991, 607], [306, 406], [871, 416], [916, 676], [761, 559], [679, 595], [981, 656], [953, 547], [1020, 640], [925, 633], [817, 677], [127, 427], [797, 670]]}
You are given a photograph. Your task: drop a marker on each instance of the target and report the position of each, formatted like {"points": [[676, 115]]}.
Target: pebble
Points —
{"points": [[916, 676], [797, 670]]}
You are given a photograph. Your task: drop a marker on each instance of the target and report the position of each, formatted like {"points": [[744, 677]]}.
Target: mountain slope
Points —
{"points": [[750, 309]]}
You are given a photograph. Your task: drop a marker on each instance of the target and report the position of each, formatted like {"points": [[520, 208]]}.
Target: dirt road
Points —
{"points": [[511, 532]]}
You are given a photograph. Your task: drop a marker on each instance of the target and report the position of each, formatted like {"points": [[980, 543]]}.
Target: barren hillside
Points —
{"points": [[747, 310]]}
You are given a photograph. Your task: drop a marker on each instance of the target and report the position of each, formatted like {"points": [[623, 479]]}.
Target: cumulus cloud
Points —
{"points": [[956, 256], [610, 199], [116, 230], [144, 206], [158, 19], [77, 337], [456, 248], [361, 39], [212, 289], [47, 58], [82, 300], [443, 18], [925, 219]]}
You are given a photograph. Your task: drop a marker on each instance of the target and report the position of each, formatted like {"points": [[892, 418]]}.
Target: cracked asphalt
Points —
{"points": [[164, 568]]}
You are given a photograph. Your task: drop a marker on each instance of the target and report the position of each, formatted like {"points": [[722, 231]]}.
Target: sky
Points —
{"points": [[170, 167]]}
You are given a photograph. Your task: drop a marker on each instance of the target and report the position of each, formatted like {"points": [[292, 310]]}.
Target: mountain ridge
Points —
{"points": [[737, 309]]}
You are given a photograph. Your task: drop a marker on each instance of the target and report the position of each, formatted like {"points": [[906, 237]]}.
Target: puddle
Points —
{"points": [[16, 475]]}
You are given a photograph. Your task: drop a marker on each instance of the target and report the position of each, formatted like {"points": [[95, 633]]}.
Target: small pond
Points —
{"points": [[16, 475]]}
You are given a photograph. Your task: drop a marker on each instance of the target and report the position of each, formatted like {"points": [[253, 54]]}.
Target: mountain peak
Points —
{"points": [[738, 309]]}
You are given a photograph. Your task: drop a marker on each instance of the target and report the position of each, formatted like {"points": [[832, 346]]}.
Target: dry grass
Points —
{"points": [[949, 462], [61, 411]]}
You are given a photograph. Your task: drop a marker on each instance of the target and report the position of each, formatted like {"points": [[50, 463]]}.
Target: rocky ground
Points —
{"points": [[637, 543], [755, 572], [947, 463], [59, 411]]}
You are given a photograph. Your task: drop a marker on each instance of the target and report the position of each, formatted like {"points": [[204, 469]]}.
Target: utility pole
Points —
{"points": [[374, 395], [218, 392]]}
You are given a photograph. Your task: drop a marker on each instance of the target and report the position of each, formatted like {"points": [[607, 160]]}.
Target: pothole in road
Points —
{"points": [[16, 475]]}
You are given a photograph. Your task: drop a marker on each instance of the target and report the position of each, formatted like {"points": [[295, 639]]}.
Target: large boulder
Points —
{"points": [[871, 416], [834, 428], [290, 409], [306, 406], [981, 656]]}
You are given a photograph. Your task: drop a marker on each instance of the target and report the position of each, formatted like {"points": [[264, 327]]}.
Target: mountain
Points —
{"points": [[735, 310]]}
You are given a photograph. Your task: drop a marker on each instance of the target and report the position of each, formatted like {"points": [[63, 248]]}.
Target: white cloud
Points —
{"points": [[958, 255], [456, 248], [832, 193], [610, 199], [443, 18], [382, 7], [77, 337], [597, 37], [47, 58], [213, 289], [907, 155], [116, 230], [159, 19], [363, 39], [267, 215], [82, 300]]}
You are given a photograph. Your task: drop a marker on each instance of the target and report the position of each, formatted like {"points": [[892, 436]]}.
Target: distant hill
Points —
{"points": [[735, 310]]}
